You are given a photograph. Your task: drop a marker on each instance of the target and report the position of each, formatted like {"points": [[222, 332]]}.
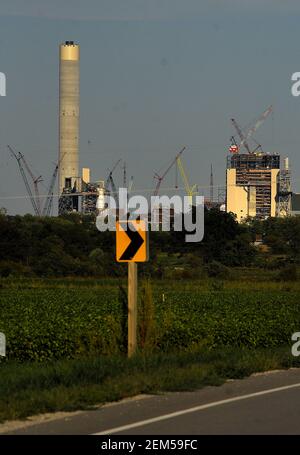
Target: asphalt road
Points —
{"points": [[262, 404]]}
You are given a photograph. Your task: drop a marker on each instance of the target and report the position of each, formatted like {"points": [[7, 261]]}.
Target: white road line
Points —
{"points": [[195, 409]]}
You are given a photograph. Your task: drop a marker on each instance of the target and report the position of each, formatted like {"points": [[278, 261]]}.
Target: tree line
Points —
{"points": [[72, 246]]}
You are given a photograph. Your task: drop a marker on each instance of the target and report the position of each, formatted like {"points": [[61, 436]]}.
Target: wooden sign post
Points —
{"points": [[132, 247], [132, 307]]}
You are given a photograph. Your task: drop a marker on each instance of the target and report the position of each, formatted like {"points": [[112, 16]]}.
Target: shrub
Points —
{"points": [[10, 268], [288, 273], [217, 270]]}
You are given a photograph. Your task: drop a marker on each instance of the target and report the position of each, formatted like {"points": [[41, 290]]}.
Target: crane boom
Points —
{"points": [[258, 123], [190, 190], [19, 157], [110, 181], [211, 184], [49, 200], [111, 172], [245, 136], [130, 184], [37, 193], [36, 181], [124, 175], [114, 190], [161, 177], [241, 135]]}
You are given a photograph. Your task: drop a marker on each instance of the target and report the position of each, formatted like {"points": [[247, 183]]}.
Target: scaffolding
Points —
{"points": [[83, 201], [253, 172], [89, 198], [68, 201], [284, 194], [253, 161]]}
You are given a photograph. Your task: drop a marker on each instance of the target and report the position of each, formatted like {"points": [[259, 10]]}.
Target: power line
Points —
{"points": [[137, 191]]}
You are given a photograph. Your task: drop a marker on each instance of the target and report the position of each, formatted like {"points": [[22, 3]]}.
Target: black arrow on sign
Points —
{"points": [[135, 244]]}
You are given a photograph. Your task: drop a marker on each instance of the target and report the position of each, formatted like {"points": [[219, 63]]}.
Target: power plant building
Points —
{"points": [[256, 186], [76, 192], [68, 175], [68, 115]]}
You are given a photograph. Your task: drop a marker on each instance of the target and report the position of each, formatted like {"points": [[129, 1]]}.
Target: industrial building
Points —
{"points": [[77, 193], [68, 115], [83, 197], [256, 186]]}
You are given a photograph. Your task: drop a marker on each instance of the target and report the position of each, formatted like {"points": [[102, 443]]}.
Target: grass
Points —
{"points": [[240, 279], [67, 385]]}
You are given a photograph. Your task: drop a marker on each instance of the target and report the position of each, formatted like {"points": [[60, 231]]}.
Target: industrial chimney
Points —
{"points": [[68, 116]]}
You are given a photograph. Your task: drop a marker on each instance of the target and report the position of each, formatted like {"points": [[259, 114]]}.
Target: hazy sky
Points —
{"points": [[155, 75]]}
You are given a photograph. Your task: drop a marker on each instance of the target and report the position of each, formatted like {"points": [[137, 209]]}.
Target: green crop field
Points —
{"points": [[66, 338], [44, 323]]}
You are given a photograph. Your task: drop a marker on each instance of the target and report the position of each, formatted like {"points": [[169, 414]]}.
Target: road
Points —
{"points": [[266, 403]]}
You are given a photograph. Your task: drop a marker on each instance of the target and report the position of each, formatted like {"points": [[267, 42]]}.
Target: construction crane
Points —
{"points": [[110, 183], [48, 203], [190, 190], [241, 134], [130, 185], [36, 181], [245, 136], [34, 198], [114, 190], [111, 173], [258, 123], [160, 178], [124, 175], [49, 199], [234, 148]]}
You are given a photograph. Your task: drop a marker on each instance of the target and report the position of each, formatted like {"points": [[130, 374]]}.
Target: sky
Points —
{"points": [[155, 75]]}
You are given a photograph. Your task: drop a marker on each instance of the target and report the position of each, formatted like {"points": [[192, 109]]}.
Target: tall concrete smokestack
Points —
{"points": [[68, 115]]}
